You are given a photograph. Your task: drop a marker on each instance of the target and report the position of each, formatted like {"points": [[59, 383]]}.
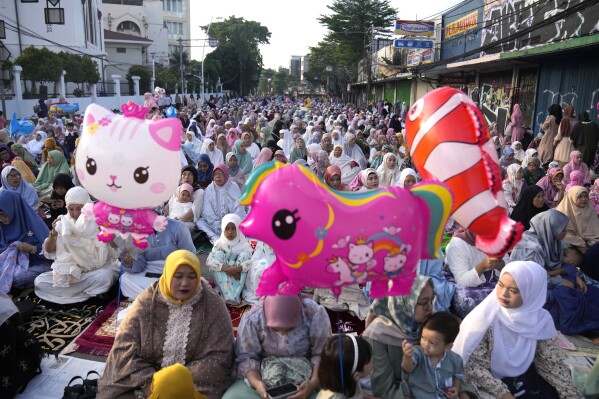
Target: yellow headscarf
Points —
{"points": [[173, 261], [174, 382]]}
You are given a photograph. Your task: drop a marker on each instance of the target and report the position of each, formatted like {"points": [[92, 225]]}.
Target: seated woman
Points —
{"points": [[408, 178], [21, 354], [221, 198], [577, 164], [332, 177], [189, 175], [209, 148], [279, 341], [83, 267], [506, 159], [531, 203], [353, 150], [508, 341], [475, 273], [388, 171], [50, 145], [574, 306], [367, 179], [582, 231], [533, 172], [444, 289], [262, 258], [6, 156], [349, 168], [205, 170], [553, 186], [513, 185], [235, 173], [56, 164], [320, 163], [192, 147], [13, 181], [230, 260], [576, 179], [178, 321], [22, 233], [244, 159]]}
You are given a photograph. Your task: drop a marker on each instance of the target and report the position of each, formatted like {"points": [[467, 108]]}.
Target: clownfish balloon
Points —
{"points": [[449, 141], [324, 238], [131, 165]]}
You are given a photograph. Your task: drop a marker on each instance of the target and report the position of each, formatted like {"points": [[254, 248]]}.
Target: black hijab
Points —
{"points": [[61, 180], [194, 173], [524, 209]]}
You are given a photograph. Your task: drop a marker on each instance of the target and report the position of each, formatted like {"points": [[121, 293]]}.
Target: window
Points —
{"points": [[90, 22], [2, 30], [173, 5], [121, 50], [128, 27], [174, 28], [29, 1], [54, 16], [125, 2]]}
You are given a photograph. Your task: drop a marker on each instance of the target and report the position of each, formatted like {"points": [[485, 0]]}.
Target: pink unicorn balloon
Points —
{"points": [[130, 165], [324, 238]]}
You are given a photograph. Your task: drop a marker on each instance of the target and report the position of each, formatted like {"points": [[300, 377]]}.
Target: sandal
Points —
{"points": [[90, 386], [73, 392]]}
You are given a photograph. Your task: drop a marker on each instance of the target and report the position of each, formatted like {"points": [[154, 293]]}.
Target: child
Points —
{"points": [[357, 364], [230, 260], [432, 369], [571, 261], [182, 208]]}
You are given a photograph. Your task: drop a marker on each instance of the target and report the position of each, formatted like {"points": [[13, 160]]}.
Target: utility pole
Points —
{"points": [[181, 66], [368, 62]]}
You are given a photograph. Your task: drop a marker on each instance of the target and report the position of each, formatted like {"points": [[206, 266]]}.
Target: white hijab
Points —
{"points": [[405, 173], [389, 177], [35, 147], [215, 156], [515, 331], [239, 244]]}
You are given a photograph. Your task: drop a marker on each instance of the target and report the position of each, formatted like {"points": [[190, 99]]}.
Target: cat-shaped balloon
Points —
{"points": [[130, 165]]}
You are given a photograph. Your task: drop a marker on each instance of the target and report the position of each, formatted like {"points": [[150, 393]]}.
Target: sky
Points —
{"points": [[294, 26]]}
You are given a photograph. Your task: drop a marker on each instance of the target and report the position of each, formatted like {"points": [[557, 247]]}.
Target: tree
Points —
{"points": [[237, 53], [166, 77], [264, 84], [40, 65], [79, 69], [145, 75]]}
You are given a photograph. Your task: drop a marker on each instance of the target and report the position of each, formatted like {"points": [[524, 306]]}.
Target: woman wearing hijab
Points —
{"points": [[244, 159], [222, 145], [349, 168], [6, 156], [232, 137], [407, 178], [22, 233], [205, 170], [50, 145], [320, 162], [279, 340], [576, 164], [475, 273], [388, 171], [192, 147], [573, 305], [553, 186], [209, 148], [280, 157], [516, 124], [36, 146], [585, 137], [56, 164], [264, 157], [332, 177], [22, 353], [190, 322], [550, 127], [299, 151], [531, 203], [13, 181], [563, 144], [327, 143], [513, 185], [367, 179], [507, 158], [235, 173], [533, 171], [337, 137], [29, 160], [83, 267], [220, 199], [519, 153], [352, 150], [508, 341], [250, 146], [583, 228]]}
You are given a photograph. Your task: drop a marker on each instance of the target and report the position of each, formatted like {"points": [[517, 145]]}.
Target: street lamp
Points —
{"points": [[212, 42]]}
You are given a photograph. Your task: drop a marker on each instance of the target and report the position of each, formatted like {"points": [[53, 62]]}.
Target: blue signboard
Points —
{"points": [[407, 43]]}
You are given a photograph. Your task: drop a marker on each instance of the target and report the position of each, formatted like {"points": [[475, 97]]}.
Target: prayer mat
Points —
{"points": [[55, 326], [344, 322], [98, 339]]}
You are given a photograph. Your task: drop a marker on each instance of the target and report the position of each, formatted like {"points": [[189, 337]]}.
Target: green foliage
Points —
{"points": [[263, 84], [145, 75], [40, 65], [237, 56], [90, 70], [166, 77]]}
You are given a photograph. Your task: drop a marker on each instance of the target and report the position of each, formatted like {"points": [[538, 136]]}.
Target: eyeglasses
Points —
{"points": [[13, 175], [427, 303]]}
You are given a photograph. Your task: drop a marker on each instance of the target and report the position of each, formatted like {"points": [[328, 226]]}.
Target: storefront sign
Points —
{"points": [[418, 28], [461, 25]]}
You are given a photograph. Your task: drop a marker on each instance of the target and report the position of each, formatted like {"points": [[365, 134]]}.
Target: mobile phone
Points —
{"points": [[281, 391], [153, 275]]}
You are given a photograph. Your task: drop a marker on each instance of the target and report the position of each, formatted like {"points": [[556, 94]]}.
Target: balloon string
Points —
{"points": [[118, 297], [412, 334], [339, 331]]}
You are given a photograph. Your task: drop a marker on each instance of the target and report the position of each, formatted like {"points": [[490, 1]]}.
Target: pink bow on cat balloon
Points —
{"points": [[130, 165]]}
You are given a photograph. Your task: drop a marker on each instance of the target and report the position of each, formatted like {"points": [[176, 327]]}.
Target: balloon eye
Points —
{"points": [[141, 175], [416, 109], [284, 223], [91, 166]]}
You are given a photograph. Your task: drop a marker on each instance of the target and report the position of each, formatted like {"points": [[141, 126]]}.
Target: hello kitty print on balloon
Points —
{"points": [[130, 165]]}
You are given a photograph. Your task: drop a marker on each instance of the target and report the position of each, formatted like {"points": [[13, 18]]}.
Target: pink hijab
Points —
{"points": [[516, 124], [231, 139]]}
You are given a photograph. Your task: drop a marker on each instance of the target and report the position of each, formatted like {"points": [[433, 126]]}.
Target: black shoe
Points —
{"points": [[90, 386], [74, 391]]}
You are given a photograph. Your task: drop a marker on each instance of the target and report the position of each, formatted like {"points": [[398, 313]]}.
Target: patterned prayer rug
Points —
{"points": [[56, 326]]}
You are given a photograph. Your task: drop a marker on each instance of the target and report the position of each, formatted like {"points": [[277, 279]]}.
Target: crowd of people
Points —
{"points": [[176, 339]]}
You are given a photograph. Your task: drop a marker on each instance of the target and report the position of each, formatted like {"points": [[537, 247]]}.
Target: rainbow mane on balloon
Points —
{"points": [[329, 239]]}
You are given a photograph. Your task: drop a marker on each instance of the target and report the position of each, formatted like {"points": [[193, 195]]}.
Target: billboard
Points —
{"points": [[417, 28], [461, 25], [419, 57]]}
